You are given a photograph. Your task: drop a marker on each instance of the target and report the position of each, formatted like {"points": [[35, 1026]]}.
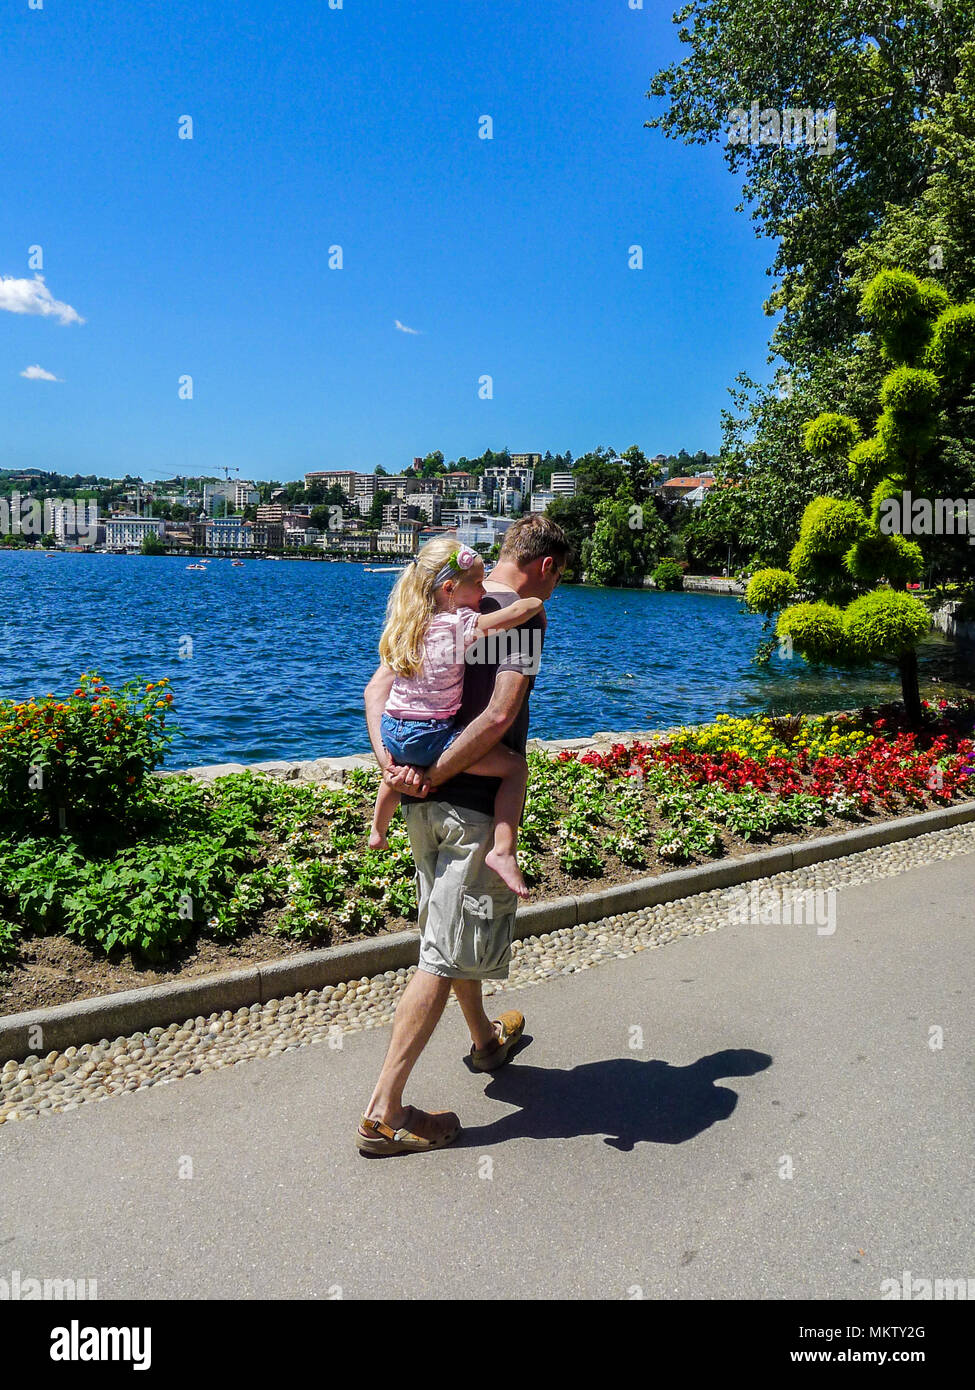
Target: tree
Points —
{"points": [[432, 465], [49, 540], [876, 68], [152, 544], [713, 533], [852, 559], [641, 472], [933, 234], [381, 499], [625, 542], [598, 478]]}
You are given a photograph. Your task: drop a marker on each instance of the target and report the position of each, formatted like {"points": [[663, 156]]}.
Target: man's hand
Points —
{"points": [[483, 732], [404, 778]]}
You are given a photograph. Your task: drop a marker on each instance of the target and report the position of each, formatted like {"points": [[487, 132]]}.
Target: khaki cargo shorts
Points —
{"points": [[466, 913]]}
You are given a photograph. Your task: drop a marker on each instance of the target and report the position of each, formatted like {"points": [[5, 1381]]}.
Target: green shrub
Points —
{"points": [[668, 575], [830, 434], [885, 623], [815, 629], [880, 556], [769, 590], [66, 762]]}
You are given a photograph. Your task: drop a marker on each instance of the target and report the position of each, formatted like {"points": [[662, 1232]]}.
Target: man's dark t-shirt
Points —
{"points": [[517, 649]]}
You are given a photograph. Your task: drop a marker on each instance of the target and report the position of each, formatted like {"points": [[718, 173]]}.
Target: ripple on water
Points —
{"points": [[281, 652]]}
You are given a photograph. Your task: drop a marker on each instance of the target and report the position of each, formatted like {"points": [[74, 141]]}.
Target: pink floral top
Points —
{"points": [[435, 692]]}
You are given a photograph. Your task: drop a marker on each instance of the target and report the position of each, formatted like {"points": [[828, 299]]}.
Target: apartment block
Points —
{"points": [[122, 532], [343, 478]]}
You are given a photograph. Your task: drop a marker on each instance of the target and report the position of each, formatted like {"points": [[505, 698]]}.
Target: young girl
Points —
{"points": [[431, 619]]}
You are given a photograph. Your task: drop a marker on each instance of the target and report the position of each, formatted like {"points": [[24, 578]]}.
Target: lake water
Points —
{"points": [[281, 652]]}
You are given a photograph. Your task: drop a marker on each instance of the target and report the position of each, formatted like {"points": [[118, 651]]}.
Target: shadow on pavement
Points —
{"points": [[627, 1100]]}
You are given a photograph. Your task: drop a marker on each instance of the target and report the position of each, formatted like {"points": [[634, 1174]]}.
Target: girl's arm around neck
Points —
{"points": [[513, 616]]}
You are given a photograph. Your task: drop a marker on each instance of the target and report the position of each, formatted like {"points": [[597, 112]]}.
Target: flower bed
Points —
{"points": [[188, 871]]}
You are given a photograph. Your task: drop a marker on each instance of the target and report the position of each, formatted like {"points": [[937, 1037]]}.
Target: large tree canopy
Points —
{"points": [[880, 68]]}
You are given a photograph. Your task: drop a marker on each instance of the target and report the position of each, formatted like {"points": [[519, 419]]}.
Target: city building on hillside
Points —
{"points": [[401, 486], [401, 538], [541, 501], [268, 535], [507, 487], [483, 529], [361, 544], [215, 501], [469, 498], [344, 478], [686, 489], [71, 522], [428, 505], [270, 511], [563, 484], [428, 533], [124, 532], [526, 461], [181, 535], [244, 495], [297, 536], [400, 511], [229, 533]]}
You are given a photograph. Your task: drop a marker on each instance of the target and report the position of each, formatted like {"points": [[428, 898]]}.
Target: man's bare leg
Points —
{"points": [[417, 1014], [471, 1001]]}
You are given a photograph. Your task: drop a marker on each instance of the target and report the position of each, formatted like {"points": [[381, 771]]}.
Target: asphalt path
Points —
{"points": [[765, 1111]]}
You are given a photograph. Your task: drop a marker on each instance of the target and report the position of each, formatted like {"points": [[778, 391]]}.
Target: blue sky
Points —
{"points": [[358, 127]]}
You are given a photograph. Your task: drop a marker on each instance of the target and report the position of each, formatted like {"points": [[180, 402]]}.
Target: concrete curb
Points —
{"points": [[136, 1010]]}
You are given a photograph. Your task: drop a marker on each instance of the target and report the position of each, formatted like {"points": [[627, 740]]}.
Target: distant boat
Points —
{"points": [[237, 564], [384, 569], [197, 567]]}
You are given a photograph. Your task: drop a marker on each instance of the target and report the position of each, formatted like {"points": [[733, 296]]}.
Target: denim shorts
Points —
{"points": [[417, 741]]}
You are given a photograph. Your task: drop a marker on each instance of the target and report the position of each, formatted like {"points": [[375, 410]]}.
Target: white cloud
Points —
{"points": [[403, 328], [39, 374], [34, 297]]}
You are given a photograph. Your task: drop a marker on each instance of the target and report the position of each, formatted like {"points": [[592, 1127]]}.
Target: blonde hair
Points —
{"points": [[412, 605]]}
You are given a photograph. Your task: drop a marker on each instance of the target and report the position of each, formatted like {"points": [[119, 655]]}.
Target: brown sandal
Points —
{"points": [[374, 1137], [512, 1025]]}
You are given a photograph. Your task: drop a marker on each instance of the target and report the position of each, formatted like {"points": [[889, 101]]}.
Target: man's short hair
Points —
{"points": [[533, 538]]}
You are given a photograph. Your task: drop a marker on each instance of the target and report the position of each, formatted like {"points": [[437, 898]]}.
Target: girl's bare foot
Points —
{"points": [[506, 867], [377, 840]]}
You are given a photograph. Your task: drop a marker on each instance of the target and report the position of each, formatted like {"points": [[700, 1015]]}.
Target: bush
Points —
{"points": [[769, 590], [63, 762], [830, 434], [668, 575], [816, 630], [885, 623]]}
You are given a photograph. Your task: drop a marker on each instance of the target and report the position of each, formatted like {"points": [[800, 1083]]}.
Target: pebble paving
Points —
{"points": [[62, 1081]]}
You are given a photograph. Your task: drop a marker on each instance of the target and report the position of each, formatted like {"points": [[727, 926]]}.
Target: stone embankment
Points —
{"points": [[332, 771], [946, 620]]}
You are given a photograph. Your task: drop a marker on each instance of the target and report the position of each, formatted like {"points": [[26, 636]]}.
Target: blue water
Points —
{"points": [[281, 651]]}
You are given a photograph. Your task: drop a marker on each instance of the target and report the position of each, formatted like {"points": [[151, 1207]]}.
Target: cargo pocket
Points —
{"points": [[475, 933]]}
